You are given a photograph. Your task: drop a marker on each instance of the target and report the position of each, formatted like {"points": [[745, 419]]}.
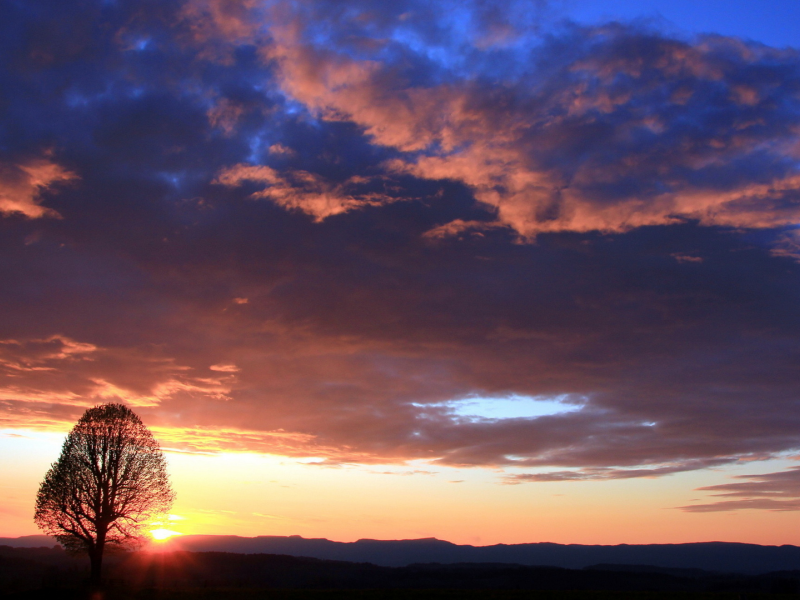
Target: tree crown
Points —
{"points": [[110, 480]]}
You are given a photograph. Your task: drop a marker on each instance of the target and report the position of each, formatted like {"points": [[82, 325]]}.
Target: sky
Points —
{"points": [[491, 272]]}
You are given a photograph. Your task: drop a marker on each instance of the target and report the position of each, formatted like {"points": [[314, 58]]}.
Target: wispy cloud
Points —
{"points": [[308, 192], [778, 491]]}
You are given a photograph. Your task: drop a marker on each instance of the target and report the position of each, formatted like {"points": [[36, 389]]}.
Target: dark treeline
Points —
{"points": [[31, 572]]}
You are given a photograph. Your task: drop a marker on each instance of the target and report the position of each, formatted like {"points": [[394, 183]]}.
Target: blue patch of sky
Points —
{"points": [[257, 145], [443, 37], [293, 107], [141, 44], [255, 150], [75, 97], [514, 406], [176, 179], [453, 28], [772, 22], [455, 52], [137, 91]]}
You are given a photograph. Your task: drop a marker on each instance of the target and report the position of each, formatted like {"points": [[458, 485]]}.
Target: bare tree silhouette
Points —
{"points": [[110, 480]]}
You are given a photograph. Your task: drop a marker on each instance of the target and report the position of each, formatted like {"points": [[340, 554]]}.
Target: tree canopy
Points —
{"points": [[108, 484]]}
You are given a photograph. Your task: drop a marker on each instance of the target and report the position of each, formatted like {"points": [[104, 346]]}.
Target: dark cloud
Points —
{"points": [[309, 229]]}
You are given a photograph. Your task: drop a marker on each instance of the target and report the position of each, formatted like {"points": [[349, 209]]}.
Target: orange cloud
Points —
{"points": [[304, 191], [503, 142], [22, 184], [62, 371]]}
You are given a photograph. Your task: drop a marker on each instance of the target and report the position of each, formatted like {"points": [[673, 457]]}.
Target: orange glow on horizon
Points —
{"points": [[250, 494]]}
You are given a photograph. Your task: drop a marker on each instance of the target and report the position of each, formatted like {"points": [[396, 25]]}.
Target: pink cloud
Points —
{"points": [[459, 227], [22, 184], [59, 370], [304, 191], [501, 141]]}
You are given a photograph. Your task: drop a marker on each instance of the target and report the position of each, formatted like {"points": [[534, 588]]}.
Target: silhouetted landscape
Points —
{"points": [[712, 556], [43, 572], [724, 557]]}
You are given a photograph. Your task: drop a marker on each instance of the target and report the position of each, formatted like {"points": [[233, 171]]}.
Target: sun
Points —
{"points": [[162, 534]]}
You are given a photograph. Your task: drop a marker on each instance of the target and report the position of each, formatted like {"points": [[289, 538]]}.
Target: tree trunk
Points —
{"points": [[96, 559]]}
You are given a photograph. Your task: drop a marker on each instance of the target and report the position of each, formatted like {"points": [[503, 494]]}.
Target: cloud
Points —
{"points": [[788, 245], [36, 352], [602, 474], [226, 368], [458, 228], [626, 129], [59, 370], [22, 185], [306, 191], [778, 491], [309, 228], [218, 439], [225, 115]]}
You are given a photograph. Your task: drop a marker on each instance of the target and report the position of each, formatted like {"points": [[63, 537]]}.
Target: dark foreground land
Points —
{"points": [[253, 594], [39, 573]]}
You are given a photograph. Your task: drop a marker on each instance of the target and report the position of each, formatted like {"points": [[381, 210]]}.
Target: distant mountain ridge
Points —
{"points": [[29, 541], [725, 557]]}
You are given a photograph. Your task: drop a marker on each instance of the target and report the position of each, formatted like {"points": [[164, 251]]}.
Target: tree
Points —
{"points": [[109, 482]]}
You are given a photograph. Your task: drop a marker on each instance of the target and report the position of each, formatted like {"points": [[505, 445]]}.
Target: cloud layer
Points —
{"points": [[310, 228], [771, 491]]}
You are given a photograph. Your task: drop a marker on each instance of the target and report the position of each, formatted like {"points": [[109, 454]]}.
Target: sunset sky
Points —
{"points": [[482, 271]]}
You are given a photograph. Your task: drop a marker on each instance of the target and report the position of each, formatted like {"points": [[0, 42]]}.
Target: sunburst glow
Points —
{"points": [[162, 534]]}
